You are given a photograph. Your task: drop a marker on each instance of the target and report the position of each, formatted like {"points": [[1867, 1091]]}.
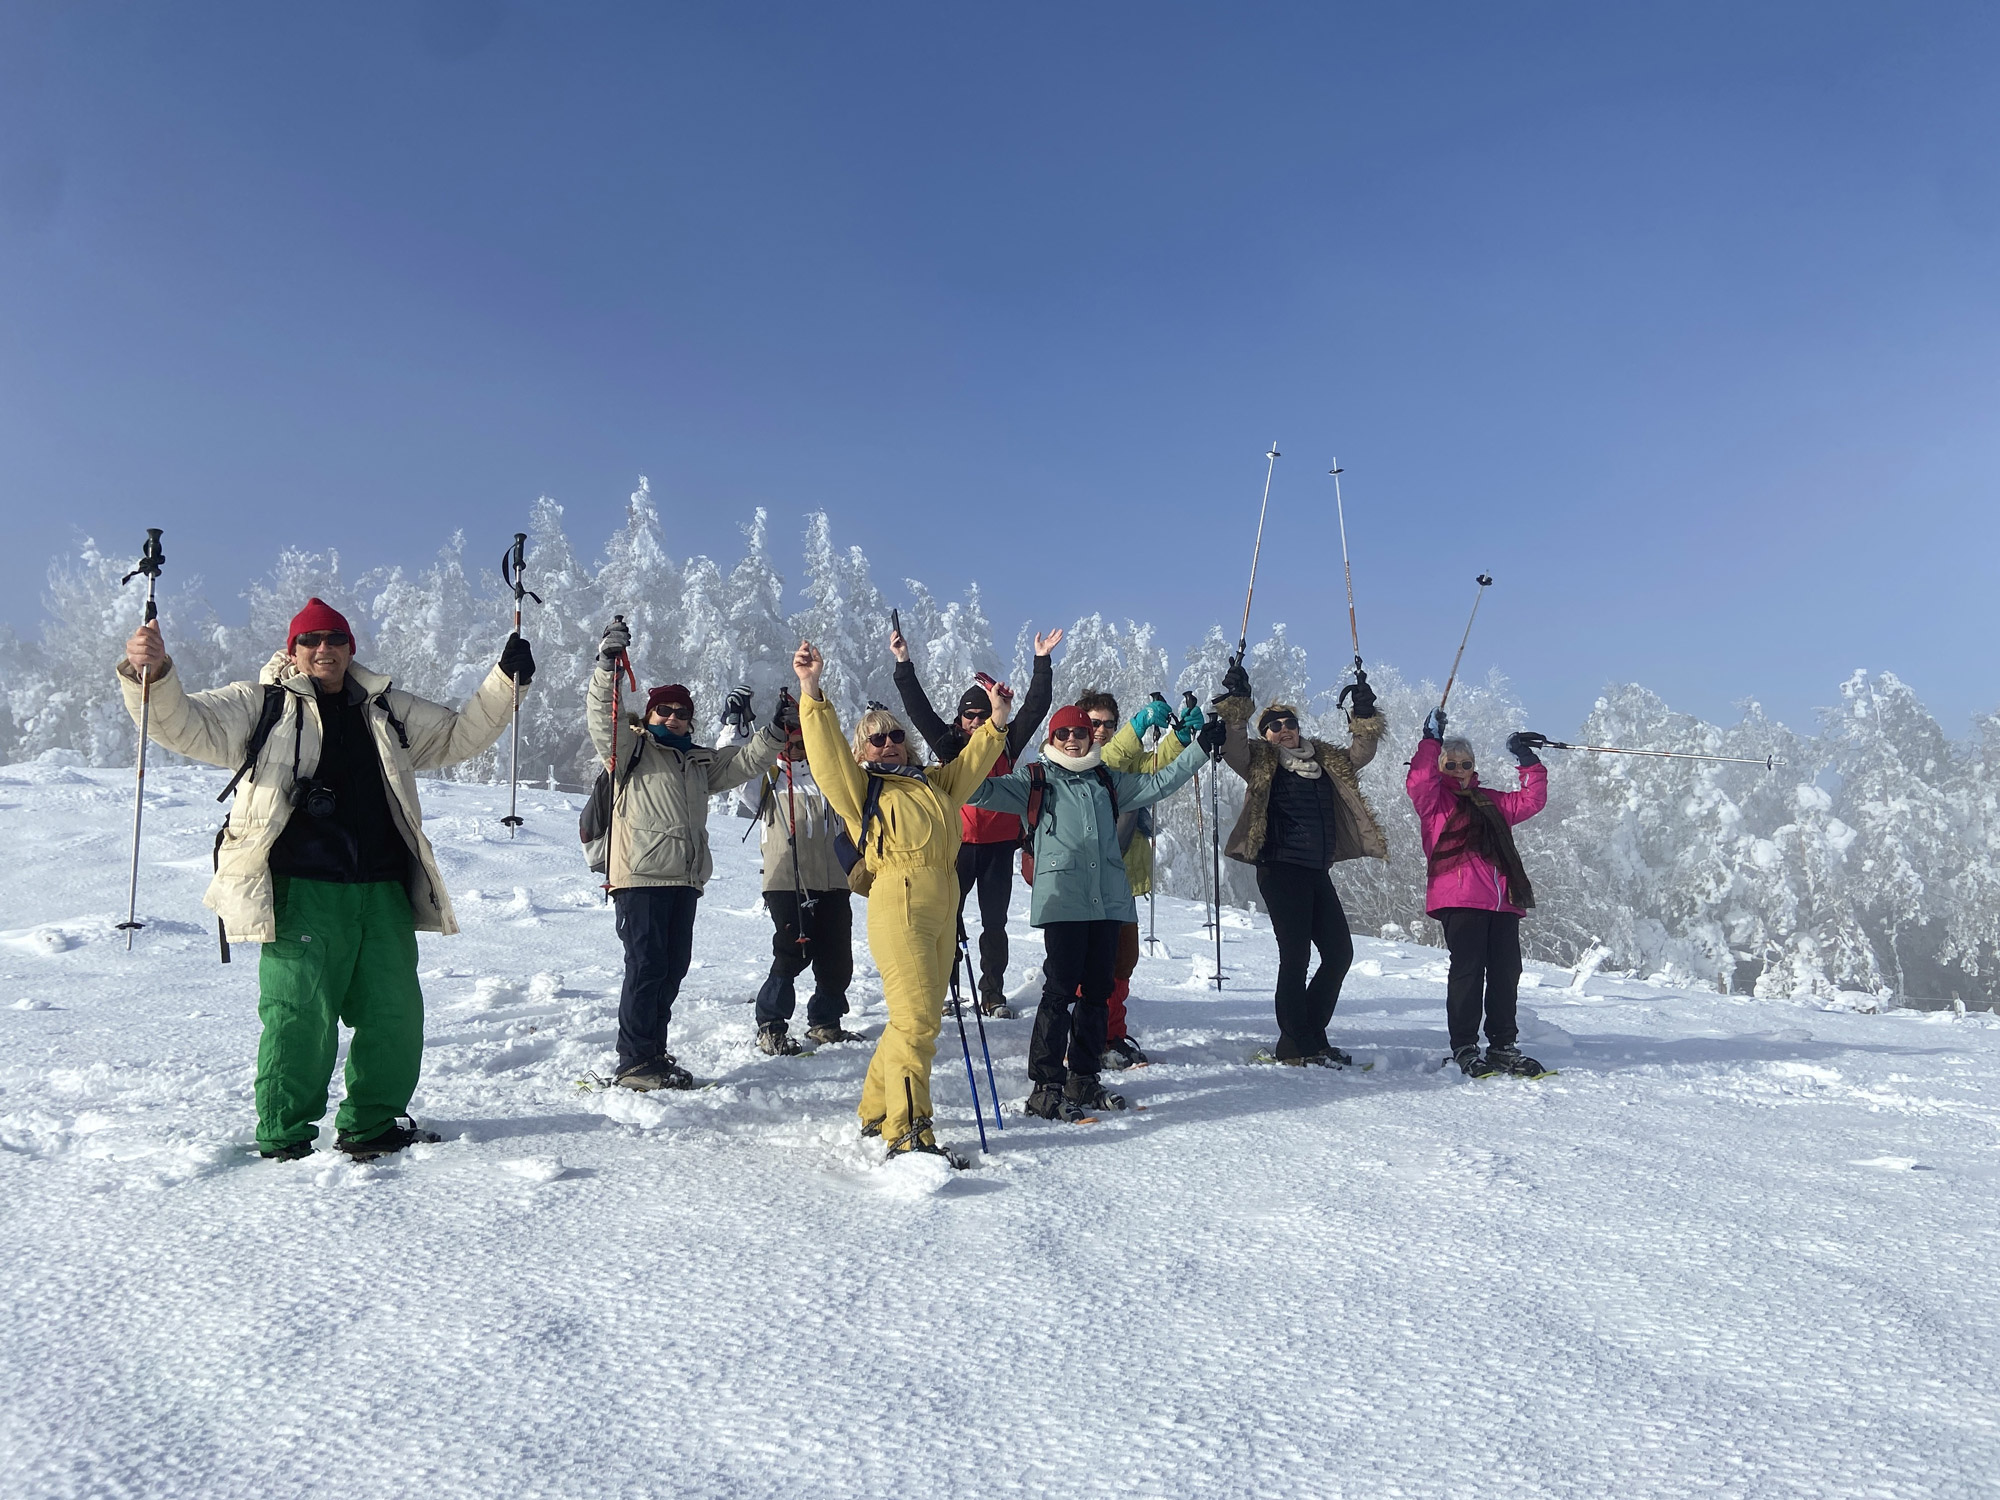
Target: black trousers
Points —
{"points": [[990, 867], [1305, 914], [1080, 956], [656, 924], [1485, 974], [828, 950]]}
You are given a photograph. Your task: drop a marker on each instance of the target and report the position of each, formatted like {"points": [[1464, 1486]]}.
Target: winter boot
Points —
{"points": [[1471, 1064], [1511, 1060], [1047, 1103], [290, 1151], [919, 1141], [773, 1041], [661, 1073], [1084, 1092], [993, 1000], [1332, 1057], [405, 1133], [831, 1033], [1121, 1052]]}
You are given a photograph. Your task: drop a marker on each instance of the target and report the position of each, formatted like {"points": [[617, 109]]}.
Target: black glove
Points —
{"points": [[1434, 725], [788, 713], [517, 661], [1522, 745], [1362, 694], [617, 636], [1212, 736], [736, 708], [1235, 681]]}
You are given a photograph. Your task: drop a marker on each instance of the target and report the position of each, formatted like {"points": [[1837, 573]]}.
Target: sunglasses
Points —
{"points": [[976, 715], [674, 711], [1072, 732], [1283, 723], [893, 737], [1097, 723], [1457, 765], [312, 640]]}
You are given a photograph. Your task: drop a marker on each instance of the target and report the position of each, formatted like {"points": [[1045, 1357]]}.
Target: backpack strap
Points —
{"points": [[871, 806], [1104, 779], [1038, 791], [268, 714], [402, 734]]}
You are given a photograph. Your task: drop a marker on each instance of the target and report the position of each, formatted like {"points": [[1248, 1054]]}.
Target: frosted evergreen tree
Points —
{"points": [[846, 618], [275, 598], [565, 628], [638, 580], [760, 640], [438, 636]]}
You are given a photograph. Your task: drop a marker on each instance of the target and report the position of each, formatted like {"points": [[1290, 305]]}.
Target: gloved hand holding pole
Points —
{"points": [[512, 564], [152, 558]]}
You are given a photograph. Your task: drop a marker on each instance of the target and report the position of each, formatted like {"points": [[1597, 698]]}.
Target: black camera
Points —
{"points": [[315, 796]]}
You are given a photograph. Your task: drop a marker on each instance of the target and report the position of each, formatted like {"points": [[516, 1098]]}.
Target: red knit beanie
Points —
{"points": [[1069, 716], [673, 692], [318, 615]]}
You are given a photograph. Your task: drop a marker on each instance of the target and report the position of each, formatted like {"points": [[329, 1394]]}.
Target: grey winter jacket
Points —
{"points": [[771, 799], [659, 816]]}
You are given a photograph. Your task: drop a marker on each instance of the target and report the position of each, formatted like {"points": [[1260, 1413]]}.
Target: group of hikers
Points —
{"points": [[324, 862]]}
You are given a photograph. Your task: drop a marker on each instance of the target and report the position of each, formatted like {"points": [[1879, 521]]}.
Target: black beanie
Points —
{"points": [[975, 701]]}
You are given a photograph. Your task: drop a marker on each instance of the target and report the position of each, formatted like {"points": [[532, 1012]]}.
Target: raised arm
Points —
{"points": [[1364, 738], [960, 779], [832, 762], [1143, 789], [1008, 794], [1518, 807], [736, 764], [441, 736], [1035, 706], [1234, 711], [1430, 793], [213, 727]]}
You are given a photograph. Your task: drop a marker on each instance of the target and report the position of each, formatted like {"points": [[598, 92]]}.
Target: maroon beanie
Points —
{"points": [[318, 615], [673, 692], [1069, 716]]}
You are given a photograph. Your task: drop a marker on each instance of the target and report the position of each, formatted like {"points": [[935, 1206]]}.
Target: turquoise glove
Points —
{"points": [[1191, 722], [1153, 716]]}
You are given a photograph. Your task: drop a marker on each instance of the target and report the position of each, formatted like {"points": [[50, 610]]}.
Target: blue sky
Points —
{"points": [[1682, 321]]}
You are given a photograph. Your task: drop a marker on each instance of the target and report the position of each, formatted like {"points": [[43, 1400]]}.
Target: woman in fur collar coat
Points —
{"points": [[1302, 813]]}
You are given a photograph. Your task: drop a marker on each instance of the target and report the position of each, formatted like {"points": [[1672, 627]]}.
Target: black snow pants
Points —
{"points": [[828, 950], [656, 924], [1305, 914], [990, 867], [1080, 955], [1485, 974]]}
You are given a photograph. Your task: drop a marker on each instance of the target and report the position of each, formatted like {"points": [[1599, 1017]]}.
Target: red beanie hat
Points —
{"points": [[673, 692], [1069, 716], [318, 615]]}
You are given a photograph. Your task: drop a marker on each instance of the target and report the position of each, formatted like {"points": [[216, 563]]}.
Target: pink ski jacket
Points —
{"points": [[1472, 881]]}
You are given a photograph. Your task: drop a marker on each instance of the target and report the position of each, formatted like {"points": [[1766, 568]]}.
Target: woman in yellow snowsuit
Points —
{"points": [[910, 851]]}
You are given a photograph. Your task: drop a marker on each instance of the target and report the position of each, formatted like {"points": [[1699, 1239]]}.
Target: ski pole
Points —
{"points": [[622, 664], [1769, 762], [979, 1020], [799, 893], [1243, 635], [958, 1010], [1485, 582], [512, 562], [151, 559], [1215, 844], [1347, 567]]}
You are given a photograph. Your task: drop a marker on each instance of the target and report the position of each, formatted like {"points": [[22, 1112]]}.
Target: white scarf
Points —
{"points": [[1070, 762], [1300, 762]]}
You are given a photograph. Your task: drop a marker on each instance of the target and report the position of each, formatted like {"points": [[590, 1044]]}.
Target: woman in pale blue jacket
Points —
{"points": [[1070, 802]]}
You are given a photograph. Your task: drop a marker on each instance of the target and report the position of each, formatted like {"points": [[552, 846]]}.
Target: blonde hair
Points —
{"points": [[881, 721]]}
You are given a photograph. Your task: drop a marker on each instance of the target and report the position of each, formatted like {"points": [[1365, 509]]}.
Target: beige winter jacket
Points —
{"points": [[215, 726], [773, 799], [659, 815], [1359, 836]]}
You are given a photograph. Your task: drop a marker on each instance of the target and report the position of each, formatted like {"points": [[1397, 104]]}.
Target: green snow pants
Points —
{"points": [[344, 953]]}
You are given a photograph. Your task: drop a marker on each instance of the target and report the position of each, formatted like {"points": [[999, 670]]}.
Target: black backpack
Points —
{"points": [[1038, 788]]}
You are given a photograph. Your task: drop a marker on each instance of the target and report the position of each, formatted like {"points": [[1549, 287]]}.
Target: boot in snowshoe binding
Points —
{"points": [[1471, 1064], [661, 1072], [832, 1033], [405, 1132], [774, 1041], [1121, 1052], [918, 1139], [1513, 1061], [290, 1151], [1085, 1093]]}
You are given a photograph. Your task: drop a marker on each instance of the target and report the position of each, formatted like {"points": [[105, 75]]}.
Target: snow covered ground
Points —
{"points": [[1737, 1248]]}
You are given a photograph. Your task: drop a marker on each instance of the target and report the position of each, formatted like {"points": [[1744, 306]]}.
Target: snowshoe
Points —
{"points": [[1512, 1061], [1047, 1103], [919, 1141], [1086, 1093], [406, 1133], [995, 1007], [290, 1151], [1121, 1052], [873, 1127], [832, 1033], [1332, 1057], [660, 1073], [773, 1041], [1471, 1064]]}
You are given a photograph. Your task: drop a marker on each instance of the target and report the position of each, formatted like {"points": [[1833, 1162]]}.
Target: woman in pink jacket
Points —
{"points": [[1478, 889]]}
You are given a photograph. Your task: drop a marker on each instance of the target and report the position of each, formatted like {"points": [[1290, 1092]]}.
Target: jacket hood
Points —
{"points": [[282, 670]]}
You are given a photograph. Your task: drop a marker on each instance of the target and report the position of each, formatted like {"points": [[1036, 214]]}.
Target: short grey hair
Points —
{"points": [[1461, 744]]}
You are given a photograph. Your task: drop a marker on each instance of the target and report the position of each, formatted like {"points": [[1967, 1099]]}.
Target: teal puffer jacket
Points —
{"points": [[1079, 873]]}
